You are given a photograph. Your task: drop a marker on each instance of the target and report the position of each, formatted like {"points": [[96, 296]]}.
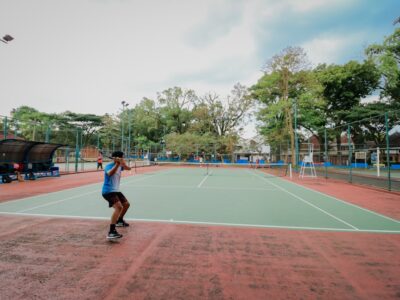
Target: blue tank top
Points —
{"points": [[111, 183]]}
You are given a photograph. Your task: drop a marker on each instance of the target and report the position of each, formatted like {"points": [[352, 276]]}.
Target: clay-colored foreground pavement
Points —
{"points": [[48, 258]]}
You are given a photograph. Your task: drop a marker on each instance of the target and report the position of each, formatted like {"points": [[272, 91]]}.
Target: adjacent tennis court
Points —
{"points": [[212, 195]]}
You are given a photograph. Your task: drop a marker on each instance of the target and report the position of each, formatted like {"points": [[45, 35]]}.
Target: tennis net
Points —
{"points": [[218, 169]]}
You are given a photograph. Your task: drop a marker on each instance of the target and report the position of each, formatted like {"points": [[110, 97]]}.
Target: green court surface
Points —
{"points": [[231, 197]]}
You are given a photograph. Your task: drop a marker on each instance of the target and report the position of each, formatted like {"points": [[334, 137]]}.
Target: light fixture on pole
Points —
{"points": [[124, 105], [7, 38]]}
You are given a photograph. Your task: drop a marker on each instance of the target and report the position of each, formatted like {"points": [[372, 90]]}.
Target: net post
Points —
{"points": [[290, 171]]}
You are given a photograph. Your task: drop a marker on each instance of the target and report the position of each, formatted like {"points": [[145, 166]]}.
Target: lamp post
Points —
{"points": [[7, 38], [124, 105]]}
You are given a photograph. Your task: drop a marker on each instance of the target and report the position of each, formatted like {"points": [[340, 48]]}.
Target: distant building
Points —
{"points": [[249, 150], [340, 156], [10, 135]]}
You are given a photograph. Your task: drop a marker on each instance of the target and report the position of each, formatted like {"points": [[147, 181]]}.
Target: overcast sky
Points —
{"points": [[88, 55]]}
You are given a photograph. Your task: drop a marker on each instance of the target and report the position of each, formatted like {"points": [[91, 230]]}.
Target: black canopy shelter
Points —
{"points": [[36, 156]]}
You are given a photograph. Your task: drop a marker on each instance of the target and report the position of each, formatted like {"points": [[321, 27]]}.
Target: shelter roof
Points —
{"points": [[20, 151]]}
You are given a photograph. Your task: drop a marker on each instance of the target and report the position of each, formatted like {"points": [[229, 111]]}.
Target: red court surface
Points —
{"points": [[27, 188], [56, 258], [381, 201]]}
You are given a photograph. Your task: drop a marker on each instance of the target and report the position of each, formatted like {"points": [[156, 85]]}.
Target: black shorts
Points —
{"points": [[114, 197]]}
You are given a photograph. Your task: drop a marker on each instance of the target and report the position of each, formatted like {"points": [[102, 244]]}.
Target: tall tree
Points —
{"points": [[368, 123], [387, 58], [31, 123], [109, 132], [88, 124], [146, 123], [277, 89], [176, 104], [343, 87], [224, 116]]}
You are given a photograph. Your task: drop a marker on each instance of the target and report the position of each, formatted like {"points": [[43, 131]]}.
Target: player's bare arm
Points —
{"points": [[114, 168], [124, 165]]}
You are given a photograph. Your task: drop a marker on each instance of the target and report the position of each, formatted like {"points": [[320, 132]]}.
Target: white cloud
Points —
{"points": [[371, 99], [315, 5], [88, 56], [332, 48]]}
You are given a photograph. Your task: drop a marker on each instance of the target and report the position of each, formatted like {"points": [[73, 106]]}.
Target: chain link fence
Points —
{"points": [[363, 152]]}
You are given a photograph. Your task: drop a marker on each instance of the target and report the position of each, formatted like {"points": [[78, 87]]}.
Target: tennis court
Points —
{"points": [[212, 195], [204, 232]]}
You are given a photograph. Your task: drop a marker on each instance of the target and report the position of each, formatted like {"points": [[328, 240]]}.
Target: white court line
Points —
{"points": [[140, 179], [348, 203], [77, 196], [236, 188], [62, 191], [51, 193], [305, 201], [206, 223], [201, 183], [58, 201]]}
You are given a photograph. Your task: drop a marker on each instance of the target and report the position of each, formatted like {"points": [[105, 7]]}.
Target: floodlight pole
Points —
{"points": [[124, 104], [296, 139], [388, 150], [122, 126], [129, 134]]}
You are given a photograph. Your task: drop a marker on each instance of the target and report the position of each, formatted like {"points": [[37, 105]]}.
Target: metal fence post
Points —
{"points": [[387, 150], [47, 134], [296, 139], [77, 150], [350, 153], [326, 154], [5, 133]]}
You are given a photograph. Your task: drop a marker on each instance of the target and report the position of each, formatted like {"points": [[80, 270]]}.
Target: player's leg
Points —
{"points": [[113, 201], [117, 212], [113, 233], [125, 206]]}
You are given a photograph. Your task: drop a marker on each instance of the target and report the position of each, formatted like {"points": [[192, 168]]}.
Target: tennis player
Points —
{"points": [[100, 161], [111, 192]]}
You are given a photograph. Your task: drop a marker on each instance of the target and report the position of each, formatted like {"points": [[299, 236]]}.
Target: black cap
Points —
{"points": [[117, 154]]}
